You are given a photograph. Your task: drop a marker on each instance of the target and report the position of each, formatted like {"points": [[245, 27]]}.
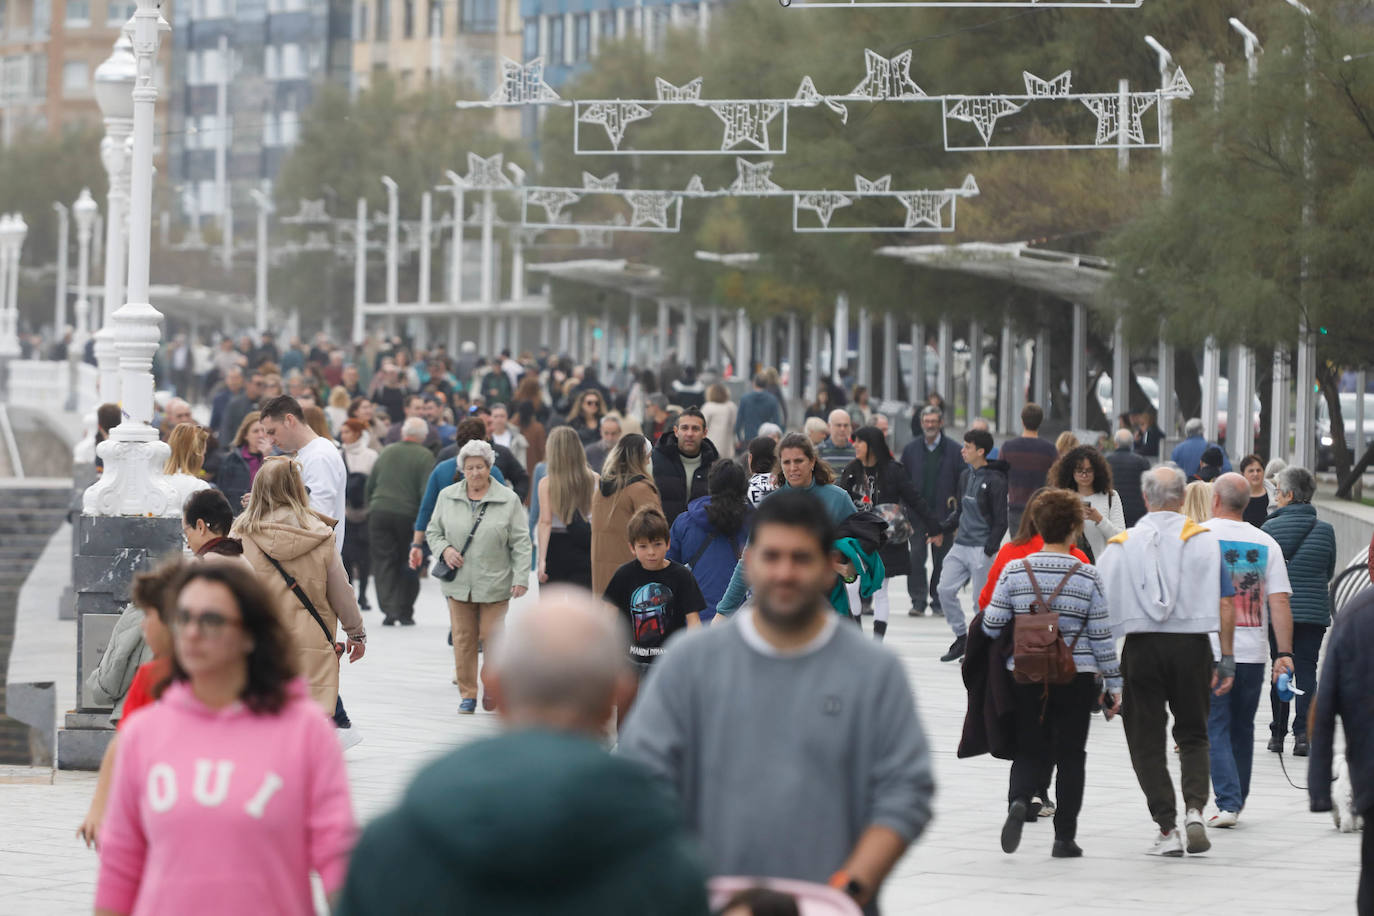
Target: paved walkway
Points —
{"points": [[1281, 857]]}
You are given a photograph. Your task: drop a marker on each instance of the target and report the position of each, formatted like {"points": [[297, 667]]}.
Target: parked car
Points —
{"points": [[1325, 448]]}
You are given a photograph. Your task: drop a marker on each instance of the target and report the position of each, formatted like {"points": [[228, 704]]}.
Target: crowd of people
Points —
{"points": [[644, 506]]}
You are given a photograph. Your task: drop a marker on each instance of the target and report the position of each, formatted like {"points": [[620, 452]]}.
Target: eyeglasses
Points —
{"points": [[211, 624], [1083, 472]]}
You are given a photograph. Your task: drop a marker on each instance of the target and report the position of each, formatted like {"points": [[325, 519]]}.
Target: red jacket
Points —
{"points": [[1014, 551]]}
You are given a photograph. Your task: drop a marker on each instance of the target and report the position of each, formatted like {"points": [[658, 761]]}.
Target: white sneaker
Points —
{"points": [[1196, 829], [1167, 844], [348, 737], [1224, 819]]}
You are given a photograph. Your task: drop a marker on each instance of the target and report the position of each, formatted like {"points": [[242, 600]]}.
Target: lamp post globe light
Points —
{"points": [[114, 85], [85, 210], [133, 482]]}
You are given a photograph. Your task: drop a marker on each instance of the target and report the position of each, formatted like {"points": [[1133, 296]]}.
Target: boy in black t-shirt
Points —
{"points": [[656, 596]]}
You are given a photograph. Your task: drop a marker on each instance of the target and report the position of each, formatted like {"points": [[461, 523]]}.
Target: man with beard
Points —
{"points": [[792, 741]]}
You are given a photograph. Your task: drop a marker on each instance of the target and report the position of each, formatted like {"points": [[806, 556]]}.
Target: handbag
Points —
{"points": [[441, 570], [1039, 653], [304, 599], [899, 529]]}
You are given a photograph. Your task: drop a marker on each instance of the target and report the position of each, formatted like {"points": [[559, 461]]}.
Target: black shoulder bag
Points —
{"points": [[299, 592], [441, 570]]}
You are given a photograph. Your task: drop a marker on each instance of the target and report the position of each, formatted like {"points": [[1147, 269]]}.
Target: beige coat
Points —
{"points": [[610, 519], [720, 426], [308, 555]]}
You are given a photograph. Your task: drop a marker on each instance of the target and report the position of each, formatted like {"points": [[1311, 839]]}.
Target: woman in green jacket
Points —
{"points": [[479, 528], [1309, 549]]}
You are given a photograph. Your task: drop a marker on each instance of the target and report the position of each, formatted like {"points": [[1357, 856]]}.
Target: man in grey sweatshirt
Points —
{"points": [[792, 742]]}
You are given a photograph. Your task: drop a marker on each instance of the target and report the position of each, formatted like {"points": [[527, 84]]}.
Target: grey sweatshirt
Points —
{"points": [[782, 762]]}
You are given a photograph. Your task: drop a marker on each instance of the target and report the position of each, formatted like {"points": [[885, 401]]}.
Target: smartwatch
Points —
{"points": [[845, 882]]}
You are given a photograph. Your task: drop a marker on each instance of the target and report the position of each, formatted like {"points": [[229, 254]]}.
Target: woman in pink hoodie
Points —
{"points": [[232, 790]]}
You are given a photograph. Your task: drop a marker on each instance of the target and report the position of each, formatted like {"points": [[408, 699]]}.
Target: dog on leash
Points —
{"points": [[1343, 798]]}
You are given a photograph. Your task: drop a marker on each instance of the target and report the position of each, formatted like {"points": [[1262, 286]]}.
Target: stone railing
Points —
{"points": [[52, 385]]}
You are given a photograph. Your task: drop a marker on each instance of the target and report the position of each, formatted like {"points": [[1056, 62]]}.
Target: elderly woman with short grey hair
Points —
{"points": [[480, 532], [1309, 549]]}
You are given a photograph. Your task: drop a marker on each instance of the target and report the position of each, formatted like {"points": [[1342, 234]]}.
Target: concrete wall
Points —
{"points": [[1354, 524]]}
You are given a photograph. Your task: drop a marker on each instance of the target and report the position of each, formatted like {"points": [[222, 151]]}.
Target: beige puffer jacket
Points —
{"points": [[308, 555]]}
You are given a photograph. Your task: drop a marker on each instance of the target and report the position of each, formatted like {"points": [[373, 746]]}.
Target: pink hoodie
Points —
{"points": [[224, 811]]}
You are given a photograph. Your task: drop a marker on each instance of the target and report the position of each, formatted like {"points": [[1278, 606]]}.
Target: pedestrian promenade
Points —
{"points": [[401, 698]]}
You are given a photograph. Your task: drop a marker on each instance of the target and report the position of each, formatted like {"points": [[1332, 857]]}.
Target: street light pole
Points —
{"points": [[114, 83], [85, 210], [64, 235], [133, 482], [393, 246], [265, 207], [11, 238]]}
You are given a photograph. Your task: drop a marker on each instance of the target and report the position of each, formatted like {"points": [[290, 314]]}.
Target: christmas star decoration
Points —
{"points": [[983, 112], [1178, 86], [881, 186], [591, 183], [694, 185], [888, 78], [924, 208], [614, 117], [522, 84], [486, 174], [689, 91], [1047, 89], [808, 96], [970, 187], [746, 123], [1110, 123], [753, 178], [554, 201], [650, 208], [825, 203]]}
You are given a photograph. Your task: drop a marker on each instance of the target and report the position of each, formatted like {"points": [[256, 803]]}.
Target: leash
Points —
{"points": [[1284, 767]]}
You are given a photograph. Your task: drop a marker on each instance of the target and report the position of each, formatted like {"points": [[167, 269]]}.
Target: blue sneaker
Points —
{"points": [[468, 706]]}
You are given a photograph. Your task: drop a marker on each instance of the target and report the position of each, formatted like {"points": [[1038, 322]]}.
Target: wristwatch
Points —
{"points": [[848, 884]]}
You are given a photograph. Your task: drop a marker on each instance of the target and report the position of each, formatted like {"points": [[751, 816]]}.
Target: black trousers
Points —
{"points": [[1365, 903], [923, 595], [357, 557], [1052, 732], [1168, 673], [1307, 648], [389, 536]]}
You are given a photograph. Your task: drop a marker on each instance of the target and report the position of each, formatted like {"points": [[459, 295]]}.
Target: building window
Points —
{"points": [[360, 26], [582, 37], [608, 18], [555, 39], [531, 41], [289, 128], [271, 62], [78, 13], [477, 16], [76, 77], [436, 18], [118, 12], [383, 30], [292, 62], [42, 18]]}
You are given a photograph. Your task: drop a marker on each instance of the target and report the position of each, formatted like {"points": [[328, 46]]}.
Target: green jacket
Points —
{"points": [[529, 823], [397, 481], [1309, 549], [498, 558]]}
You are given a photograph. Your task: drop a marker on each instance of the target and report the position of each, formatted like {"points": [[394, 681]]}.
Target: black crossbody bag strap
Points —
{"points": [[472, 532], [299, 592]]}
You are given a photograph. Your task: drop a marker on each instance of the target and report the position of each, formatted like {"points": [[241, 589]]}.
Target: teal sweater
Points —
{"points": [[837, 504], [871, 575]]}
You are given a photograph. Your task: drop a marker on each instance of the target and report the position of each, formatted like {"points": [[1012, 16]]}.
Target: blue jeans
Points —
{"points": [[1231, 736]]}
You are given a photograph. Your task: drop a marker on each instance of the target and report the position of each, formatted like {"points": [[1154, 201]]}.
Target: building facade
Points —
{"points": [[49, 50], [243, 71], [567, 34]]}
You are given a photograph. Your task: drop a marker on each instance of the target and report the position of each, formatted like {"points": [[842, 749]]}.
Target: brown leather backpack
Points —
{"points": [[1039, 654]]}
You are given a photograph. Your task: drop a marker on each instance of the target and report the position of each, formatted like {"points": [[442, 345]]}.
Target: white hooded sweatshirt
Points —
{"points": [[1163, 576]]}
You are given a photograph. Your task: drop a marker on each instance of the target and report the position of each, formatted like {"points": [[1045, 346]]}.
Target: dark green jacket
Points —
{"points": [[530, 823], [398, 479], [1309, 549]]}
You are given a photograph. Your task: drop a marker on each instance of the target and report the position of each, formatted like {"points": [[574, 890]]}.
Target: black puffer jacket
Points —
{"points": [[670, 476], [890, 483], [1346, 684]]}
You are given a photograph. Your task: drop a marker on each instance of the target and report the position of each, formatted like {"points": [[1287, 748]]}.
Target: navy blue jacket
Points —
{"points": [[947, 452], [713, 569], [1309, 549], [1347, 683]]}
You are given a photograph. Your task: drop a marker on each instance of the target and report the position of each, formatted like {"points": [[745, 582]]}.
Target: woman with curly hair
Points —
{"points": [[1084, 471]]}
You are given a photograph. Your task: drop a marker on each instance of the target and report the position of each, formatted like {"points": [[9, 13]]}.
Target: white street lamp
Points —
{"points": [[265, 207], [60, 293], [85, 210], [133, 482], [114, 85], [9, 266], [393, 251]]}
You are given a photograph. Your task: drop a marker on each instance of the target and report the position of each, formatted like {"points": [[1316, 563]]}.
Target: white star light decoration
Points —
{"points": [[887, 78], [553, 201], [1110, 124], [521, 84], [614, 117], [753, 178], [746, 123], [650, 208], [983, 112], [825, 203], [486, 174]]}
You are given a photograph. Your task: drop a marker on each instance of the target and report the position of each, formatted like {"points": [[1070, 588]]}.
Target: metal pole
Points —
{"points": [[1121, 371], [769, 354], [891, 391], [744, 345], [1078, 404], [1279, 416], [1042, 370], [1211, 382], [455, 266], [840, 341], [713, 345], [360, 272], [865, 374], [488, 277], [975, 370], [946, 376], [260, 298], [918, 365], [83, 267], [1168, 423], [662, 331], [517, 266], [1005, 421], [794, 369], [222, 156], [393, 252], [632, 335], [426, 241], [688, 343], [813, 383], [1123, 148], [64, 233], [605, 348]]}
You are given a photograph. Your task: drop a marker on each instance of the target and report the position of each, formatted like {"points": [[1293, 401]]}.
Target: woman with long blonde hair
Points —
{"points": [[627, 484], [291, 549], [565, 509], [1197, 501], [183, 467]]}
